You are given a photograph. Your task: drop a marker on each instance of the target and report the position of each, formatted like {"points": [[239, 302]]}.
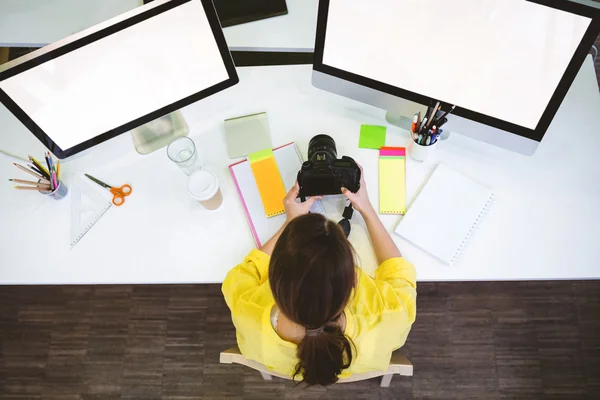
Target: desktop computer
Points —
{"points": [[505, 64], [119, 75]]}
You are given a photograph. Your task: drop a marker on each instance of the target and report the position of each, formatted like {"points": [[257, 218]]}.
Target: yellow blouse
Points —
{"points": [[378, 316]]}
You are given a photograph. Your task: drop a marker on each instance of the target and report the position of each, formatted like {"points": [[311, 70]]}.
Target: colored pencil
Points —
{"points": [[40, 166], [36, 169], [58, 170], [30, 172], [28, 188], [30, 182]]}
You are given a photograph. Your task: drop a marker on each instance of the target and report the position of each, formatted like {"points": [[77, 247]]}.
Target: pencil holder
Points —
{"points": [[57, 194], [421, 152]]}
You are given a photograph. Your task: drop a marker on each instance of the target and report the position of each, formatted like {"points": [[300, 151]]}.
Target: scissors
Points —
{"points": [[119, 194]]}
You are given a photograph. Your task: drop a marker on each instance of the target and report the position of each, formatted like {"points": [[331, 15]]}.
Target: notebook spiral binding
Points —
{"points": [[475, 224]]}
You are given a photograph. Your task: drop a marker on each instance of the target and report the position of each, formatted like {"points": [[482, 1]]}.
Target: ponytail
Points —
{"points": [[323, 357], [312, 276]]}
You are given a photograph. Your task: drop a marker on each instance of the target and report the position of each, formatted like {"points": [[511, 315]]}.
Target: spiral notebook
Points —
{"points": [[262, 227], [445, 213]]}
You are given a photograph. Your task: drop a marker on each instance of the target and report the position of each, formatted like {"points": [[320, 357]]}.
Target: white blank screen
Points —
{"points": [[501, 58], [121, 77]]}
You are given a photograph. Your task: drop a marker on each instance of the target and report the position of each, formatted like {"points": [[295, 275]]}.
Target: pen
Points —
{"points": [[423, 124], [442, 122], [443, 116]]}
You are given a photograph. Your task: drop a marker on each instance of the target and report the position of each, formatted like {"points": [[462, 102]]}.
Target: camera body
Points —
{"points": [[324, 173]]}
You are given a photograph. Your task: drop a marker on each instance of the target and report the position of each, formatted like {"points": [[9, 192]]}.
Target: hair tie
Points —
{"points": [[315, 332]]}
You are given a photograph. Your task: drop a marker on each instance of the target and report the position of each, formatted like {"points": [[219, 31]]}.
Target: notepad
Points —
{"points": [[262, 228], [392, 180], [371, 137], [268, 181], [445, 213], [247, 134]]}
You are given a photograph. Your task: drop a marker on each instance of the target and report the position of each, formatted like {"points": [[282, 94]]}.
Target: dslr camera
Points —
{"points": [[325, 174]]}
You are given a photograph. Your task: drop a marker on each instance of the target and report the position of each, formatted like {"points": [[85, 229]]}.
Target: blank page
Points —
{"points": [[444, 213]]}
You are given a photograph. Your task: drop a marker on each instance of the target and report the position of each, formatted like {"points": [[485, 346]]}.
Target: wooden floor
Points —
{"points": [[527, 340]]}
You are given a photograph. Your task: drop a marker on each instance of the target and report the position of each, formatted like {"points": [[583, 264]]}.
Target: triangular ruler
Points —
{"points": [[87, 207]]}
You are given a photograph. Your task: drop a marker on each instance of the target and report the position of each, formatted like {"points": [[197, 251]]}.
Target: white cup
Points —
{"points": [[204, 186], [419, 152]]}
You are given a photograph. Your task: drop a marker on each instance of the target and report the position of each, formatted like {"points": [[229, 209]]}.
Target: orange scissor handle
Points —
{"points": [[119, 194]]}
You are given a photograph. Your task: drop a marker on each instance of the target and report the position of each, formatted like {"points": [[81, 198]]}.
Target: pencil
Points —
{"points": [[30, 182], [58, 170], [433, 113], [28, 188], [40, 166], [36, 169], [30, 172]]}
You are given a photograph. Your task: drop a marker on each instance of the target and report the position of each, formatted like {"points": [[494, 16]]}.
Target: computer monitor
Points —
{"points": [[120, 74], [505, 64]]}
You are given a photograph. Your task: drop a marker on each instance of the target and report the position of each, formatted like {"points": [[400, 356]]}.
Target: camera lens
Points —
{"points": [[321, 149]]}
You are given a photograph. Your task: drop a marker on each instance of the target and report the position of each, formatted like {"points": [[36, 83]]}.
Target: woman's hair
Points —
{"points": [[312, 277]]}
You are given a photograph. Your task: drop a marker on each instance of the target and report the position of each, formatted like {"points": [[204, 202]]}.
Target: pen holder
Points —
{"points": [[421, 152], [57, 194]]}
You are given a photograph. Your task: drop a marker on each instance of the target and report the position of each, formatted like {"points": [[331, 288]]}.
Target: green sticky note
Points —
{"points": [[371, 137], [260, 155]]}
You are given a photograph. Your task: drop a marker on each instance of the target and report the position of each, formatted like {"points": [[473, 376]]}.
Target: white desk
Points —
{"points": [[544, 224], [35, 23]]}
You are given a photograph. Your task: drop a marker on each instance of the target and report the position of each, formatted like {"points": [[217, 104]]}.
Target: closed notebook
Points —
{"points": [[445, 213], [262, 228]]}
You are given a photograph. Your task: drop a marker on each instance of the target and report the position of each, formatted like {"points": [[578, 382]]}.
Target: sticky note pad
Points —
{"points": [[371, 137], [268, 181], [247, 134], [392, 180]]}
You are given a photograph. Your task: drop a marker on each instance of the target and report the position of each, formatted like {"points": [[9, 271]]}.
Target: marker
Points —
{"points": [[423, 124], [413, 127]]}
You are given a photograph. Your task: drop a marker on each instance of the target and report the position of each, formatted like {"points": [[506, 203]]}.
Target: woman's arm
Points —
{"points": [[383, 244]]}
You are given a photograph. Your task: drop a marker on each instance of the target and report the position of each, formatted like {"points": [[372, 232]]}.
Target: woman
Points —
{"points": [[302, 308]]}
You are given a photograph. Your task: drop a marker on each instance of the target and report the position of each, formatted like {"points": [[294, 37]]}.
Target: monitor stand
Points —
{"points": [[159, 133], [399, 119]]}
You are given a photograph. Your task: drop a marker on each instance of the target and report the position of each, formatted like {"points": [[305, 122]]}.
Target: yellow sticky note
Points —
{"points": [[268, 181], [392, 183]]}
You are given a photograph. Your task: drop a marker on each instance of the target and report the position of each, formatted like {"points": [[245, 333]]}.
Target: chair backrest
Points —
{"points": [[399, 365]]}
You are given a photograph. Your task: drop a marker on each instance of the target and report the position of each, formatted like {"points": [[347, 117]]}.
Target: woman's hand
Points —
{"points": [[360, 200], [295, 209]]}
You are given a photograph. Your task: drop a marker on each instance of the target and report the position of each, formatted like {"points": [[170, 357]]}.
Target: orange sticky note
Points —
{"points": [[268, 181]]}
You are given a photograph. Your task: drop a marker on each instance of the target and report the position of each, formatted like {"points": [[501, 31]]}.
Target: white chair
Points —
{"points": [[399, 365]]}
